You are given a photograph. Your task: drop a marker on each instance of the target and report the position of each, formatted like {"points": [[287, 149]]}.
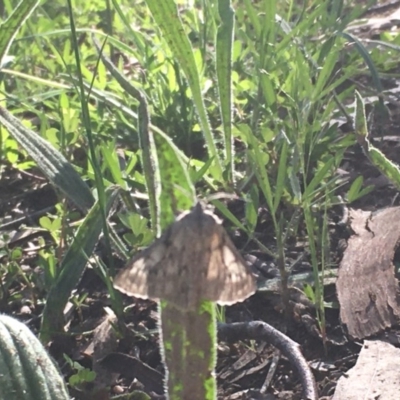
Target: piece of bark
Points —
{"points": [[375, 376], [367, 289]]}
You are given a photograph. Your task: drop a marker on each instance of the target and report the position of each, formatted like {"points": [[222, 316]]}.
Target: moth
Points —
{"points": [[193, 260]]}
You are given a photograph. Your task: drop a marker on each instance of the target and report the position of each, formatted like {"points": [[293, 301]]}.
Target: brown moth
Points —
{"points": [[193, 260]]}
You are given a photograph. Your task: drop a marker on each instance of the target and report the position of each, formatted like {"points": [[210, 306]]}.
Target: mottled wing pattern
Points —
{"points": [[133, 280], [229, 278], [193, 260], [181, 274], [166, 278]]}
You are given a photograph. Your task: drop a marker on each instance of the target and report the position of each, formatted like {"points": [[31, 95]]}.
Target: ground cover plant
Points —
{"points": [[116, 118]]}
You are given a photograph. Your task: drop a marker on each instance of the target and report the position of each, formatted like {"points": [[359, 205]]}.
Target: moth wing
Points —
{"points": [[229, 278], [133, 280]]}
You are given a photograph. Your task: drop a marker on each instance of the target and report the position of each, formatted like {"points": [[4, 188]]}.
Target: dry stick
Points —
{"points": [[271, 372], [26, 218], [258, 330]]}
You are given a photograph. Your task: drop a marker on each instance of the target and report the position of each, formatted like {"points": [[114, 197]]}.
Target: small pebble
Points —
{"points": [[118, 389], [25, 310]]}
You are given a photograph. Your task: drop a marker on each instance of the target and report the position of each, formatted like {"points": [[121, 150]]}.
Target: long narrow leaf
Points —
{"points": [[10, 27], [167, 18], [261, 173], [224, 42], [282, 174], [387, 167], [72, 267], [367, 58], [146, 141], [50, 161]]}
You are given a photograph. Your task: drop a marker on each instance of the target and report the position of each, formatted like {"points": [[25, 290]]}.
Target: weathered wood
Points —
{"points": [[367, 289]]}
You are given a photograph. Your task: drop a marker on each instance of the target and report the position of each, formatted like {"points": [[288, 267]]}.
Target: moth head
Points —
{"points": [[199, 210], [202, 210]]}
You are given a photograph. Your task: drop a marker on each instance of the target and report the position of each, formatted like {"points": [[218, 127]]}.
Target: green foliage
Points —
{"points": [[52, 163], [222, 96], [10, 27], [72, 267], [81, 374], [357, 191]]}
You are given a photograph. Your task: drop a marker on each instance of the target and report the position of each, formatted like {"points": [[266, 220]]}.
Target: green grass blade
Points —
{"points": [[261, 172], [318, 178], [10, 27], [132, 32], [146, 141], [292, 34], [86, 120], [312, 243], [73, 265], [50, 161], [282, 174], [360, 121], [385, 166], [224, 210], [253, 17], [224, 42], [110, 159], [167, 18], [367, 58], [326, 71], [111, 101]]}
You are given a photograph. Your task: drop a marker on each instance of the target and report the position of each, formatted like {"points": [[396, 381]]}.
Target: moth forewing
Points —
{"points": [[133, 279], [229, 277]]}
